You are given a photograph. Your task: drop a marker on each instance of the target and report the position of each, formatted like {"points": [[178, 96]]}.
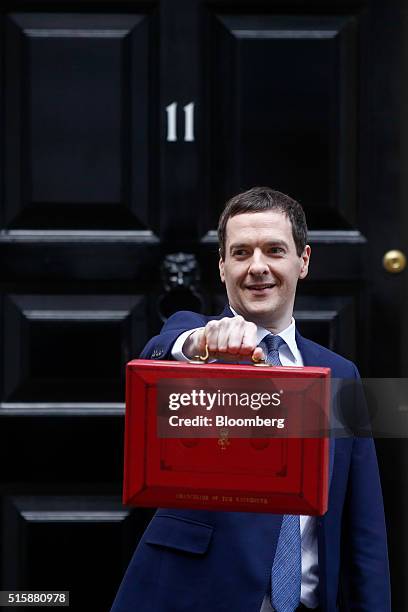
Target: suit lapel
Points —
{"points": [[227, 312]]}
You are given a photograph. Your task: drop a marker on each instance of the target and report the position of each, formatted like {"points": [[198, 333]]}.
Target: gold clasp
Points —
{"points": [[199, 359]]}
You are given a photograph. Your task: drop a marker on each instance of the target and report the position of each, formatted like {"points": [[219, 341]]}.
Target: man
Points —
{"points": [[242, 562]]}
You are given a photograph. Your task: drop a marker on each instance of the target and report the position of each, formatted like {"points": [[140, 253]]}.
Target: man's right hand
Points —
{"points": [[229, 339]]}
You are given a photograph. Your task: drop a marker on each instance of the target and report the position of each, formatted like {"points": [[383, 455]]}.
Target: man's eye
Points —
{"points": [[276, 250], [240, 253]]}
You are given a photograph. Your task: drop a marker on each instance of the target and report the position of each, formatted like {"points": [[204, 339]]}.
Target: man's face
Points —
{"points": [[261, 267]]}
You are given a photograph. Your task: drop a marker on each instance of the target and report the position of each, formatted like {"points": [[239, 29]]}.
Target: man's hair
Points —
{"points": [[260, 199]]}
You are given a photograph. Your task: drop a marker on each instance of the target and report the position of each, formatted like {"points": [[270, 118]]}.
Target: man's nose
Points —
{"points": [[258, 263]]}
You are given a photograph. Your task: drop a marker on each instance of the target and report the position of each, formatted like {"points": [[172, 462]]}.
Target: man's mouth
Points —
{"points": [[260, 287]]}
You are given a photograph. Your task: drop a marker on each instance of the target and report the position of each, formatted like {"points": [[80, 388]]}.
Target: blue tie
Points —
{"points": [[272, 345], [287, 566]]}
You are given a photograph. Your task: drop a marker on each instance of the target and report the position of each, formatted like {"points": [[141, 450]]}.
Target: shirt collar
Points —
{"points": [[288, 334]]}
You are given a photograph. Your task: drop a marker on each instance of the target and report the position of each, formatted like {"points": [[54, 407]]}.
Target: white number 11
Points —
{"points": [[171, 111]]}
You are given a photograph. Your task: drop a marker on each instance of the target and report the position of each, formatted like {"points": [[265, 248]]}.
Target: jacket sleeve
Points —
{"points": [[159, 347], [365, 531]]}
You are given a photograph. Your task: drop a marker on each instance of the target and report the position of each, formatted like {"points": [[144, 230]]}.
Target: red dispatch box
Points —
{"points": [[217, 466]]}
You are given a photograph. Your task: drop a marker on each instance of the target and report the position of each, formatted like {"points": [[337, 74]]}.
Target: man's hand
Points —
{"points": [[230, 339]]}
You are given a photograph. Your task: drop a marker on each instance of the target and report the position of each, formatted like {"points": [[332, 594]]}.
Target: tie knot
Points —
{"points": [[272, 343]]}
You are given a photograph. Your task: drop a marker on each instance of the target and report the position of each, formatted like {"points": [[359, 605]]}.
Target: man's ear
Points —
{"points": [[221, 267], [305, 258]]}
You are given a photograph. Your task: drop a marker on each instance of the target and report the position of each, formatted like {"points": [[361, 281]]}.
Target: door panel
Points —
{"points": [[65, 348], [76, 109], [289, 84], [58, 541]]}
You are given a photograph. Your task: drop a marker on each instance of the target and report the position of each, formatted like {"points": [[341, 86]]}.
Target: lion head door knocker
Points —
{"points": [[180, 276]]}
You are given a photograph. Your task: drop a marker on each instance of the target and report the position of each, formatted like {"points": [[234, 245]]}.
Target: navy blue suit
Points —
{"points": [[203, 561]]}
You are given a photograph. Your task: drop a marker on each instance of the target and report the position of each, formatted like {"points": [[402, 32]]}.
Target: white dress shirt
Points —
{"points": [[289, 355]]}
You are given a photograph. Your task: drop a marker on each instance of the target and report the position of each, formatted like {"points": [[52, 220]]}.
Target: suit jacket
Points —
{"points": [[204, 561]]}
